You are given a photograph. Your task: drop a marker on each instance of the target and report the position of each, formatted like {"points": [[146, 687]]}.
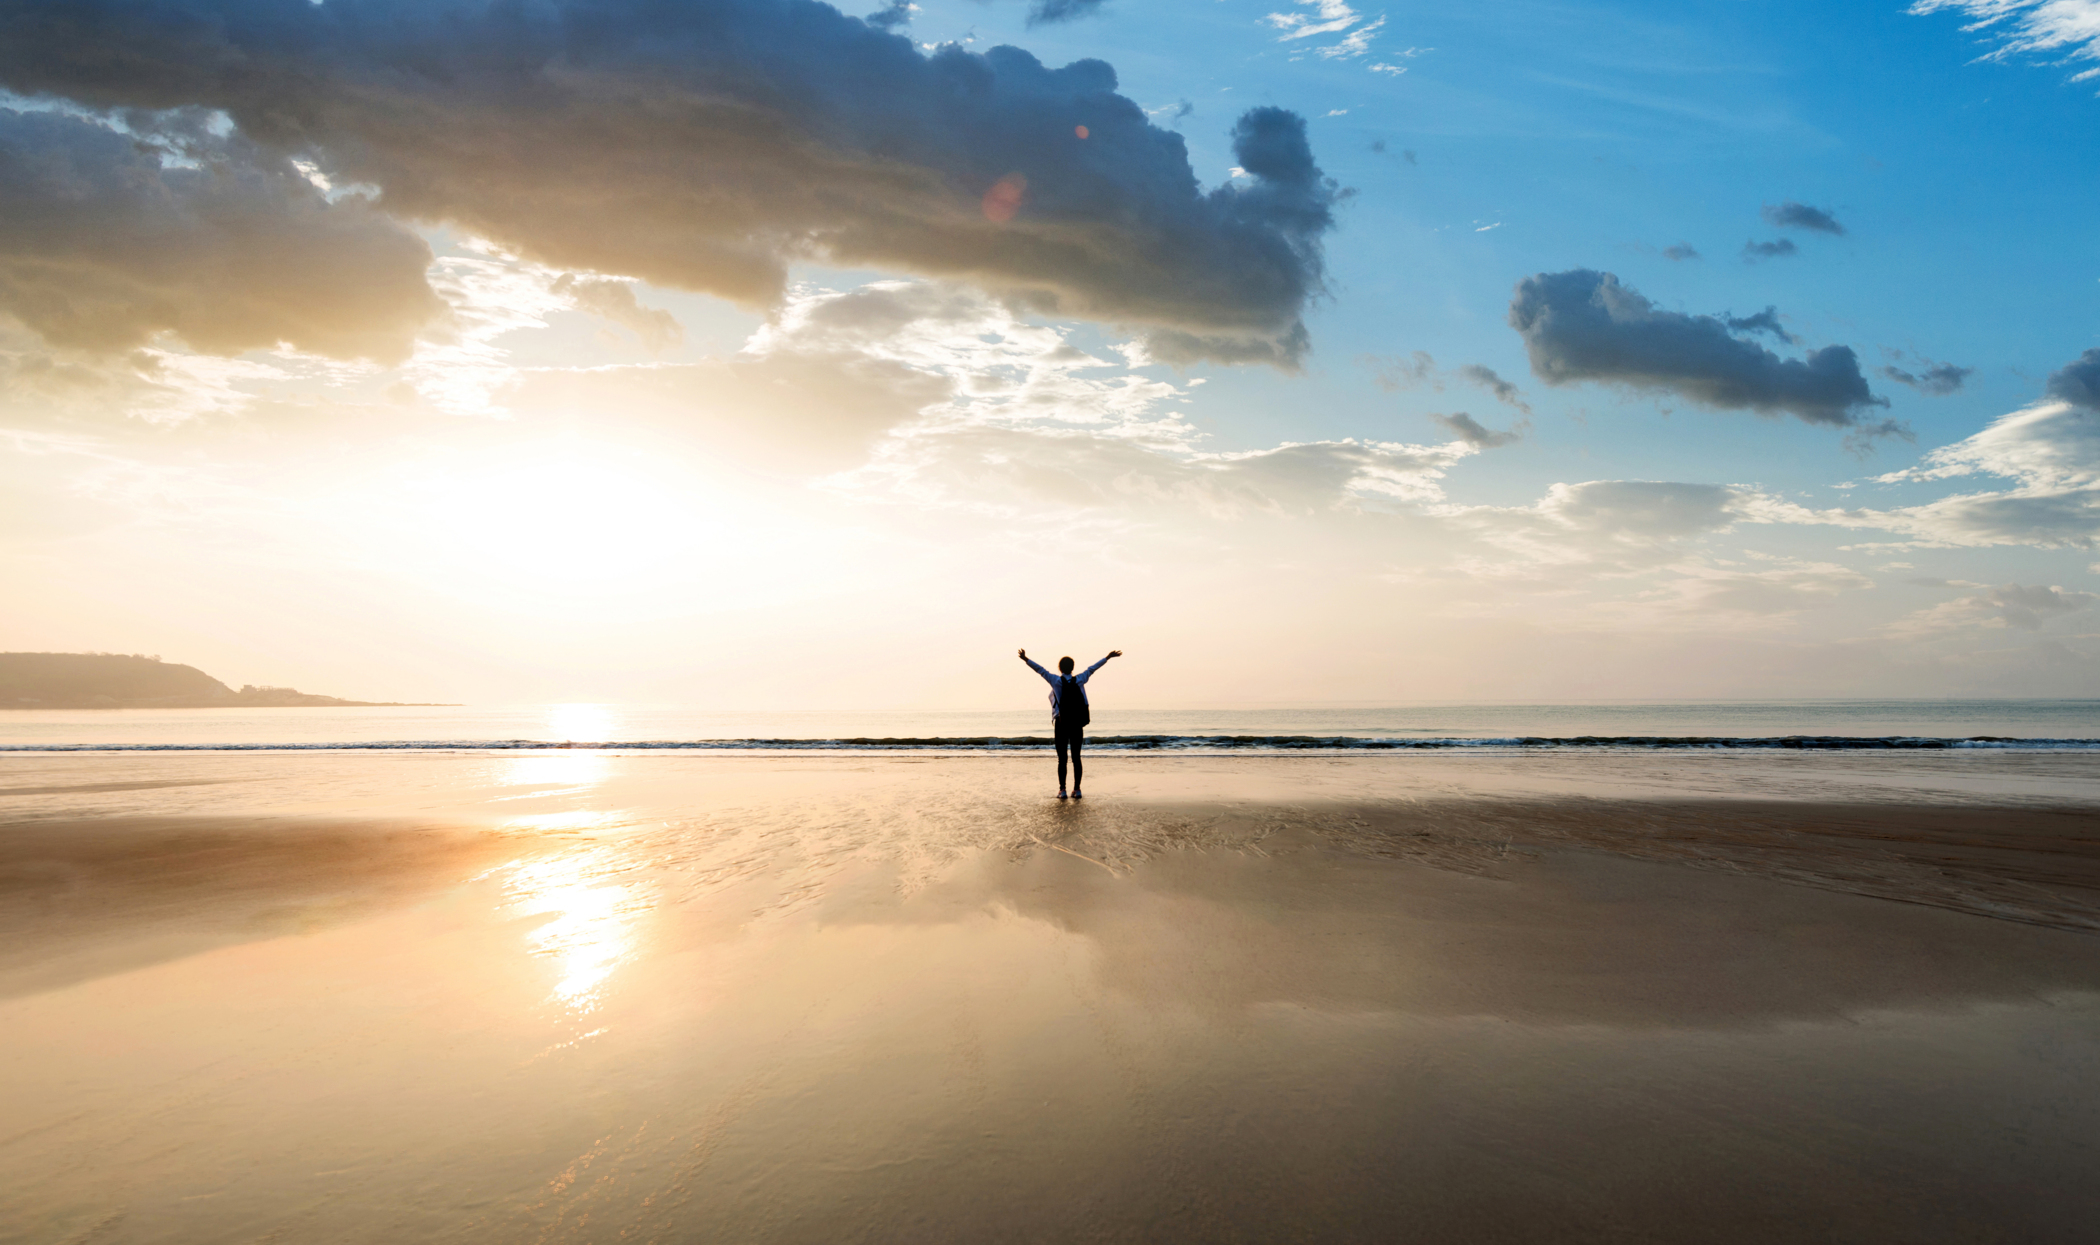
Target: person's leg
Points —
{"points": [[1078, 766], [1060, 734]]}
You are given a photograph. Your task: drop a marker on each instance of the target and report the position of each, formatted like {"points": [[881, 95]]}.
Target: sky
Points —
{"points": [[754, 354]]}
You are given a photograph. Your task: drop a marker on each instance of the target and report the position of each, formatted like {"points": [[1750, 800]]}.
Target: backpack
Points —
{"points": [[1071, 702]]}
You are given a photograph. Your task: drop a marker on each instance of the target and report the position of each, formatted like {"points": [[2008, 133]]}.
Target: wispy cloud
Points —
{"points": [[1333, 17], [2020, 27], [1358, 42], [1330, 17]]}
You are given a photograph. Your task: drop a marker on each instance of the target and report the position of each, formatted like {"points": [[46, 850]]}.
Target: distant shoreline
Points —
{"points": [[75, 681], [222, 704]]}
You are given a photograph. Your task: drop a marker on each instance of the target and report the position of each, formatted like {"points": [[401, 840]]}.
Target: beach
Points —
{"points": [[596, 995]]}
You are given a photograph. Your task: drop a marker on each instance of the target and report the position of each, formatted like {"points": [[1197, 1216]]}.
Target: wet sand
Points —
{"points": [[575, 997]]}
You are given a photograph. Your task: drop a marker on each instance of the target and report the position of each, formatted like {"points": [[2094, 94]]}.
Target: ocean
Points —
{"points": [[1833, 724]]}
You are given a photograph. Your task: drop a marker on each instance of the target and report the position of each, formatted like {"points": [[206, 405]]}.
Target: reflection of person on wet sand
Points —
{"points": [[1068, 713]]}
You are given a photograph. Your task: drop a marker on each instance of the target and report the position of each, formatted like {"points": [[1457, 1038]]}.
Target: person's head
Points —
{"points": [[1064, 665]]}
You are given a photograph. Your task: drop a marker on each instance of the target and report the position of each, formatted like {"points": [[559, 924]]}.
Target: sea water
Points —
{"points": [[1772, 723]]}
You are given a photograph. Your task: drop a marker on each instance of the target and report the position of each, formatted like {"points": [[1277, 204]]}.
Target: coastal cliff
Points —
{"points": [[120, 681]]}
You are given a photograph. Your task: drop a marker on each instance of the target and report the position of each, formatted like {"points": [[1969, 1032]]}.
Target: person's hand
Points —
{"points": [[1023, 652], [1115, 652]]}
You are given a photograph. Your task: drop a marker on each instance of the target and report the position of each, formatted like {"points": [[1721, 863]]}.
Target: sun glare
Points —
{"points": [[580, 723], [566, 529], [568, 522]]}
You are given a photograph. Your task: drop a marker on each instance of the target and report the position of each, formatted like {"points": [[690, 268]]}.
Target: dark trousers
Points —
{"points": [[1073, 737]]}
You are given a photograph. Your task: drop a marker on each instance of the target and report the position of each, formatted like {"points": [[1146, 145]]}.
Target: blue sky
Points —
{"points": [[561, 391], [1597, 136]]}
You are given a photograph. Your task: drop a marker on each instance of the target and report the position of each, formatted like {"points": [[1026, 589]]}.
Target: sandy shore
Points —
{"points": [[588, 997]]}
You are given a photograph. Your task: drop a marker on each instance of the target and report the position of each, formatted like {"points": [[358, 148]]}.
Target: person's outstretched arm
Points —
{"points": [[1096, 666], [1048, 677]]}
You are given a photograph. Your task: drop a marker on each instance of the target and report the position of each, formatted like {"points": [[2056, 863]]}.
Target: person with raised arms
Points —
{"points": [[1069, 714]]}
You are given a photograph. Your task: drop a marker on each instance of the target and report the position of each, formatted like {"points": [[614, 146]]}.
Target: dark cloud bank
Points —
{"points": [[106, 241], [1582, 325], [709, 145]]}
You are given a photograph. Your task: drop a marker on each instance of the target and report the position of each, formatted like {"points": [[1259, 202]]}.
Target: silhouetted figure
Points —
{"points": [[1069, 714]]}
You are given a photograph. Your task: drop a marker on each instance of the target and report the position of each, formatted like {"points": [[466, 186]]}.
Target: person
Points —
{"points": [[1069, 714]]}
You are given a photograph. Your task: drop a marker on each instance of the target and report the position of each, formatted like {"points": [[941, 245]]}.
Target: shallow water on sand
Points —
{"points": [[588, 996], [600, 723]]}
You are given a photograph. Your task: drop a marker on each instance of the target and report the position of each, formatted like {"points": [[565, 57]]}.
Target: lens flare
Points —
{"points": [[1004, 198]]}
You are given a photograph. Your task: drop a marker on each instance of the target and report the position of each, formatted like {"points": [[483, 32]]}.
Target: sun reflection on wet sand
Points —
{"points": [[571, 771], [592, 930]]}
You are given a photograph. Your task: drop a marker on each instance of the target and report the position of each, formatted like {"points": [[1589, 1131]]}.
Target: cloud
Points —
{"points": [[1393, 375], [709, 146], [1577, 540], [2051, 445], [1772, 590], [1013, 472], [1766, 321], [1755, 251], [1582, 325], [1680, 252], [1330, 17], [1469, 430], [1792, 215], [1621, 513], [1486, 378], [1019, 422], [892, 15], [1938, 380], [42, 386], [2016, 606], [658, 330], [1647, 537], [108, 239], [2031, 26], [999, 367], [1420, 369], [2078, 382], [1645, 510], [2051, 451], [1358, 42], [1045, 12]]}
